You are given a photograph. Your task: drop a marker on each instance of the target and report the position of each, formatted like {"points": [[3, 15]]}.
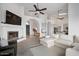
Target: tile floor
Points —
{"points": [[32, 47]]}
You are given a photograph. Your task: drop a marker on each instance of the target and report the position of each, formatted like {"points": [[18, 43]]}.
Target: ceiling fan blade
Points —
{"points": [[31, 11], [35, 7], [43, 9], [42, 13]]}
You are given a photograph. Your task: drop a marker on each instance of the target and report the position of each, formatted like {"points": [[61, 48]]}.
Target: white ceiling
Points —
{"points": [[52, 8]]}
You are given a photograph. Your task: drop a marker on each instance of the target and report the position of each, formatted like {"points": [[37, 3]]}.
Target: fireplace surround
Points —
{"points": [[12, 34], [6, 28]]}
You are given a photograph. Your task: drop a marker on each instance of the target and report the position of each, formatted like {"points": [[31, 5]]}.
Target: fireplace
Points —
{"points": [[12, 35]]}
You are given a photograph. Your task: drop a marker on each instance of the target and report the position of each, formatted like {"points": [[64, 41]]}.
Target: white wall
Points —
{"points": [[34, 22], [73, 10]]}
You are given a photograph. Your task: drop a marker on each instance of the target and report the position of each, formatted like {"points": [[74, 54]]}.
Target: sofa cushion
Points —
{"points": [[56, 36], [67, 37], [64, 42]]}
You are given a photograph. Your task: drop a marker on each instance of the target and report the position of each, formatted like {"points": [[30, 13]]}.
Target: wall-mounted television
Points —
{"points": [[12, 18]]}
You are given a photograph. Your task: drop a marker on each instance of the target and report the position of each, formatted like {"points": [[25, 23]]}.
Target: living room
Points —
{"points": [[53, 31]]}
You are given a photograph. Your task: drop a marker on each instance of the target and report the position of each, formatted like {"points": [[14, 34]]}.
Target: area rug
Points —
{"points": [[44, 51]]}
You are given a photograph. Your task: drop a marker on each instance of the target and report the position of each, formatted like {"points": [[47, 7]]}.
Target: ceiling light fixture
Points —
{"points": [[61, 14]]}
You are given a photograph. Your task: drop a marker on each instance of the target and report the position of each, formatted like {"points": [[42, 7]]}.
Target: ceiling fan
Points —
{"points": [[37, 9]]}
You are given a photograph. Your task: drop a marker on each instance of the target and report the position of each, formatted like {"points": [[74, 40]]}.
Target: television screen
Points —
{"points": [[11, 18]]}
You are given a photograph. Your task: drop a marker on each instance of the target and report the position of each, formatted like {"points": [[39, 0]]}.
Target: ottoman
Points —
{"points": [[48, 42]]}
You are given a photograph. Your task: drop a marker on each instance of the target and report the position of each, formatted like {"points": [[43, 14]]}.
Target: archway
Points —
{"points": [[34, 24]]}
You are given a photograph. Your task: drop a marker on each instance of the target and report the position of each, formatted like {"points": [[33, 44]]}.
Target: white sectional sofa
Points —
{"points": [[64, 41]]}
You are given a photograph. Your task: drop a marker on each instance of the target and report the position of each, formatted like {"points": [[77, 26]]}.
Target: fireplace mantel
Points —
{"points": [[9, 25]]}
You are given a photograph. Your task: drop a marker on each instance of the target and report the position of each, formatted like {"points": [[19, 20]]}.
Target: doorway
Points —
{"points": [[28, 30]]}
